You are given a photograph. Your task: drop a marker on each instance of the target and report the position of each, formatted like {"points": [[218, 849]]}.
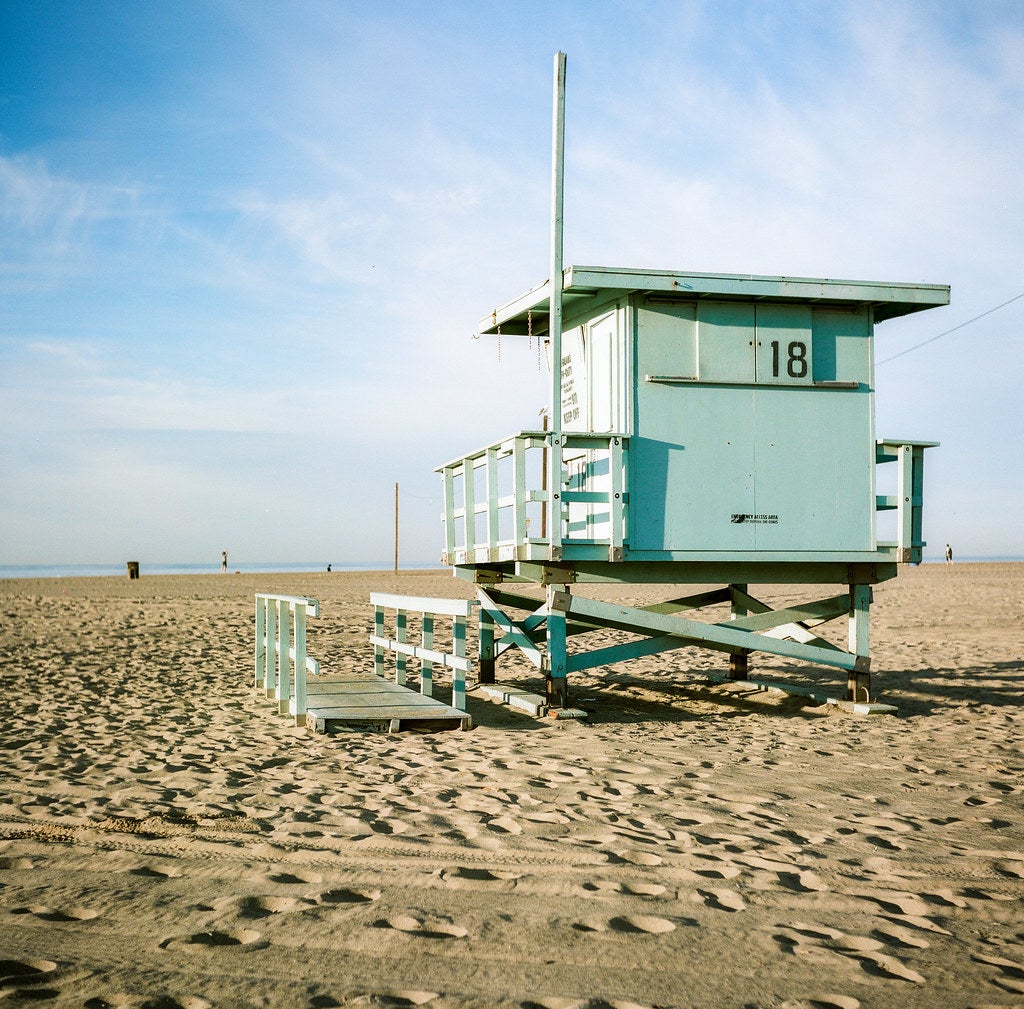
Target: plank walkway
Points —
{"points": [[372, 704]]}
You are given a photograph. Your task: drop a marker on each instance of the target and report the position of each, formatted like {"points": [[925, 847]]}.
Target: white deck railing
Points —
{"points": [[497, 507], [281, 662], [429, 657]]}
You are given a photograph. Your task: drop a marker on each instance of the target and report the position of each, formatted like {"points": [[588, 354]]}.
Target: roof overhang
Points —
{"points": [[597, 285]]}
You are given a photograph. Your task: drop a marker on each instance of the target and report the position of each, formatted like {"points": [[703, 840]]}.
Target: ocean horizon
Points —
{"points": [[243, 567], [8, 571]]}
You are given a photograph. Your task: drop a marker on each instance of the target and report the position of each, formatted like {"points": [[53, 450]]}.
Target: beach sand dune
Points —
{"points": [[168, 840]]}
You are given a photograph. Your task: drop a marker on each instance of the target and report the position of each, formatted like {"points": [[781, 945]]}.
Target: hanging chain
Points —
{"points": [[499, 345]]}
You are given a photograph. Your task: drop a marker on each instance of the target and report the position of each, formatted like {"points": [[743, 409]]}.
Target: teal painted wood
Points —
{"points": [[720, 637], [587, 288]]}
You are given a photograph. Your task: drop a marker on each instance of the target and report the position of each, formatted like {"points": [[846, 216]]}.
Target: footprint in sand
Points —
{"points": [[341, 895], [633, 924], [887, 966], [893, 935], [554, 1002], [423, 929], [802, 882], [289, 879], [648, 924], [238, 937], [56, 915], [466, 878], [19, 972], [826, 1001], [1012, 973], [633, 857], [723, 900], [601, 886], [402, 997], [243, 937], [264, 907], [151, 872]]}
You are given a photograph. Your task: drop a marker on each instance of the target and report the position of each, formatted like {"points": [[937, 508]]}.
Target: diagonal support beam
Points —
{"points": [[798, 630], [716, 636], [821, 611]]}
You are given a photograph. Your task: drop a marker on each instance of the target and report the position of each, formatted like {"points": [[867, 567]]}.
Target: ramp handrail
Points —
{"points": [[281, 661], [458, 609]]}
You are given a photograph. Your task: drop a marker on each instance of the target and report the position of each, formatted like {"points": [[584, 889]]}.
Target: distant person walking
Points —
{"points": [[949, 554], [224, 562]]}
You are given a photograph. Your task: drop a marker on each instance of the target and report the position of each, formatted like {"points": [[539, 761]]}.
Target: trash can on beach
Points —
{"points": [[133, 570]]}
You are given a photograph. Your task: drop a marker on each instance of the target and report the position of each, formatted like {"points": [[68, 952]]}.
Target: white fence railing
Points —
{"points": [[280, 655], [497, 506], [428, 655]]}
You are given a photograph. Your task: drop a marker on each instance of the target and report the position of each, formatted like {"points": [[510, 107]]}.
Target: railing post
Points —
{"points": [[449, 514], [260, 656], [378, 650], [427, 665], [284, 636], [469, 496], [270, 679], [459, 674], [520, 497], [400, 636], [298, 706], [616, 504], [491, 473]]}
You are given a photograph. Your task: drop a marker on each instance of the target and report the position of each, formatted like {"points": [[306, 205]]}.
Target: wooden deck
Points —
{"points": [[372, 704]]}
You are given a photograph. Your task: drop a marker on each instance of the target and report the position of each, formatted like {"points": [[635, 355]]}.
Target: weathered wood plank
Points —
{"points": [[378, 704]]}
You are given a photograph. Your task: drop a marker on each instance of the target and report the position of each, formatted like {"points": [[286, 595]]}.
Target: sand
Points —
{"points": [[168, 840]]}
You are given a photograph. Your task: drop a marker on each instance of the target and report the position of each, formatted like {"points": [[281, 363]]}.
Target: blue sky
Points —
{"points": [[244, 245]]}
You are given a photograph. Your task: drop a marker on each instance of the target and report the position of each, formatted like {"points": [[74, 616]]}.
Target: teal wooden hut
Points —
{"points": [[714, 429], [705, 429]]}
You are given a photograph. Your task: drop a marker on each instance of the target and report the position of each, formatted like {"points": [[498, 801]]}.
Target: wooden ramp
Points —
{"points": [[375, 705]]}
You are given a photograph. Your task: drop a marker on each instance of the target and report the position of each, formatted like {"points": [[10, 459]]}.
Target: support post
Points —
{"points": [[485, 672], [739, 660], [459, 672], [555, 659], [858, 684]]}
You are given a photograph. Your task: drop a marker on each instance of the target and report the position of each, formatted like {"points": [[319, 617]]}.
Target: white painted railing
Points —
{"points": [[497, 507], [429, 657], [280, 655]]}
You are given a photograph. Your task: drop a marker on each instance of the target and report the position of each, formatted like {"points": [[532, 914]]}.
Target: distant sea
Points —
{"points": [[258, 567], [244, 567]]}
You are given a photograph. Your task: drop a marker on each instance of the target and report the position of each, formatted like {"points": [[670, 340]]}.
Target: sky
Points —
{"points": [[245, 245]]}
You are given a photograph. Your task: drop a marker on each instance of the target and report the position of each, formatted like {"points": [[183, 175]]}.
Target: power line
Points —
{"points": [[932, 339]]}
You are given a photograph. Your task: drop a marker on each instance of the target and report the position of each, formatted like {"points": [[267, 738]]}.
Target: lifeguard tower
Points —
{"points": [[705, 429]]}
